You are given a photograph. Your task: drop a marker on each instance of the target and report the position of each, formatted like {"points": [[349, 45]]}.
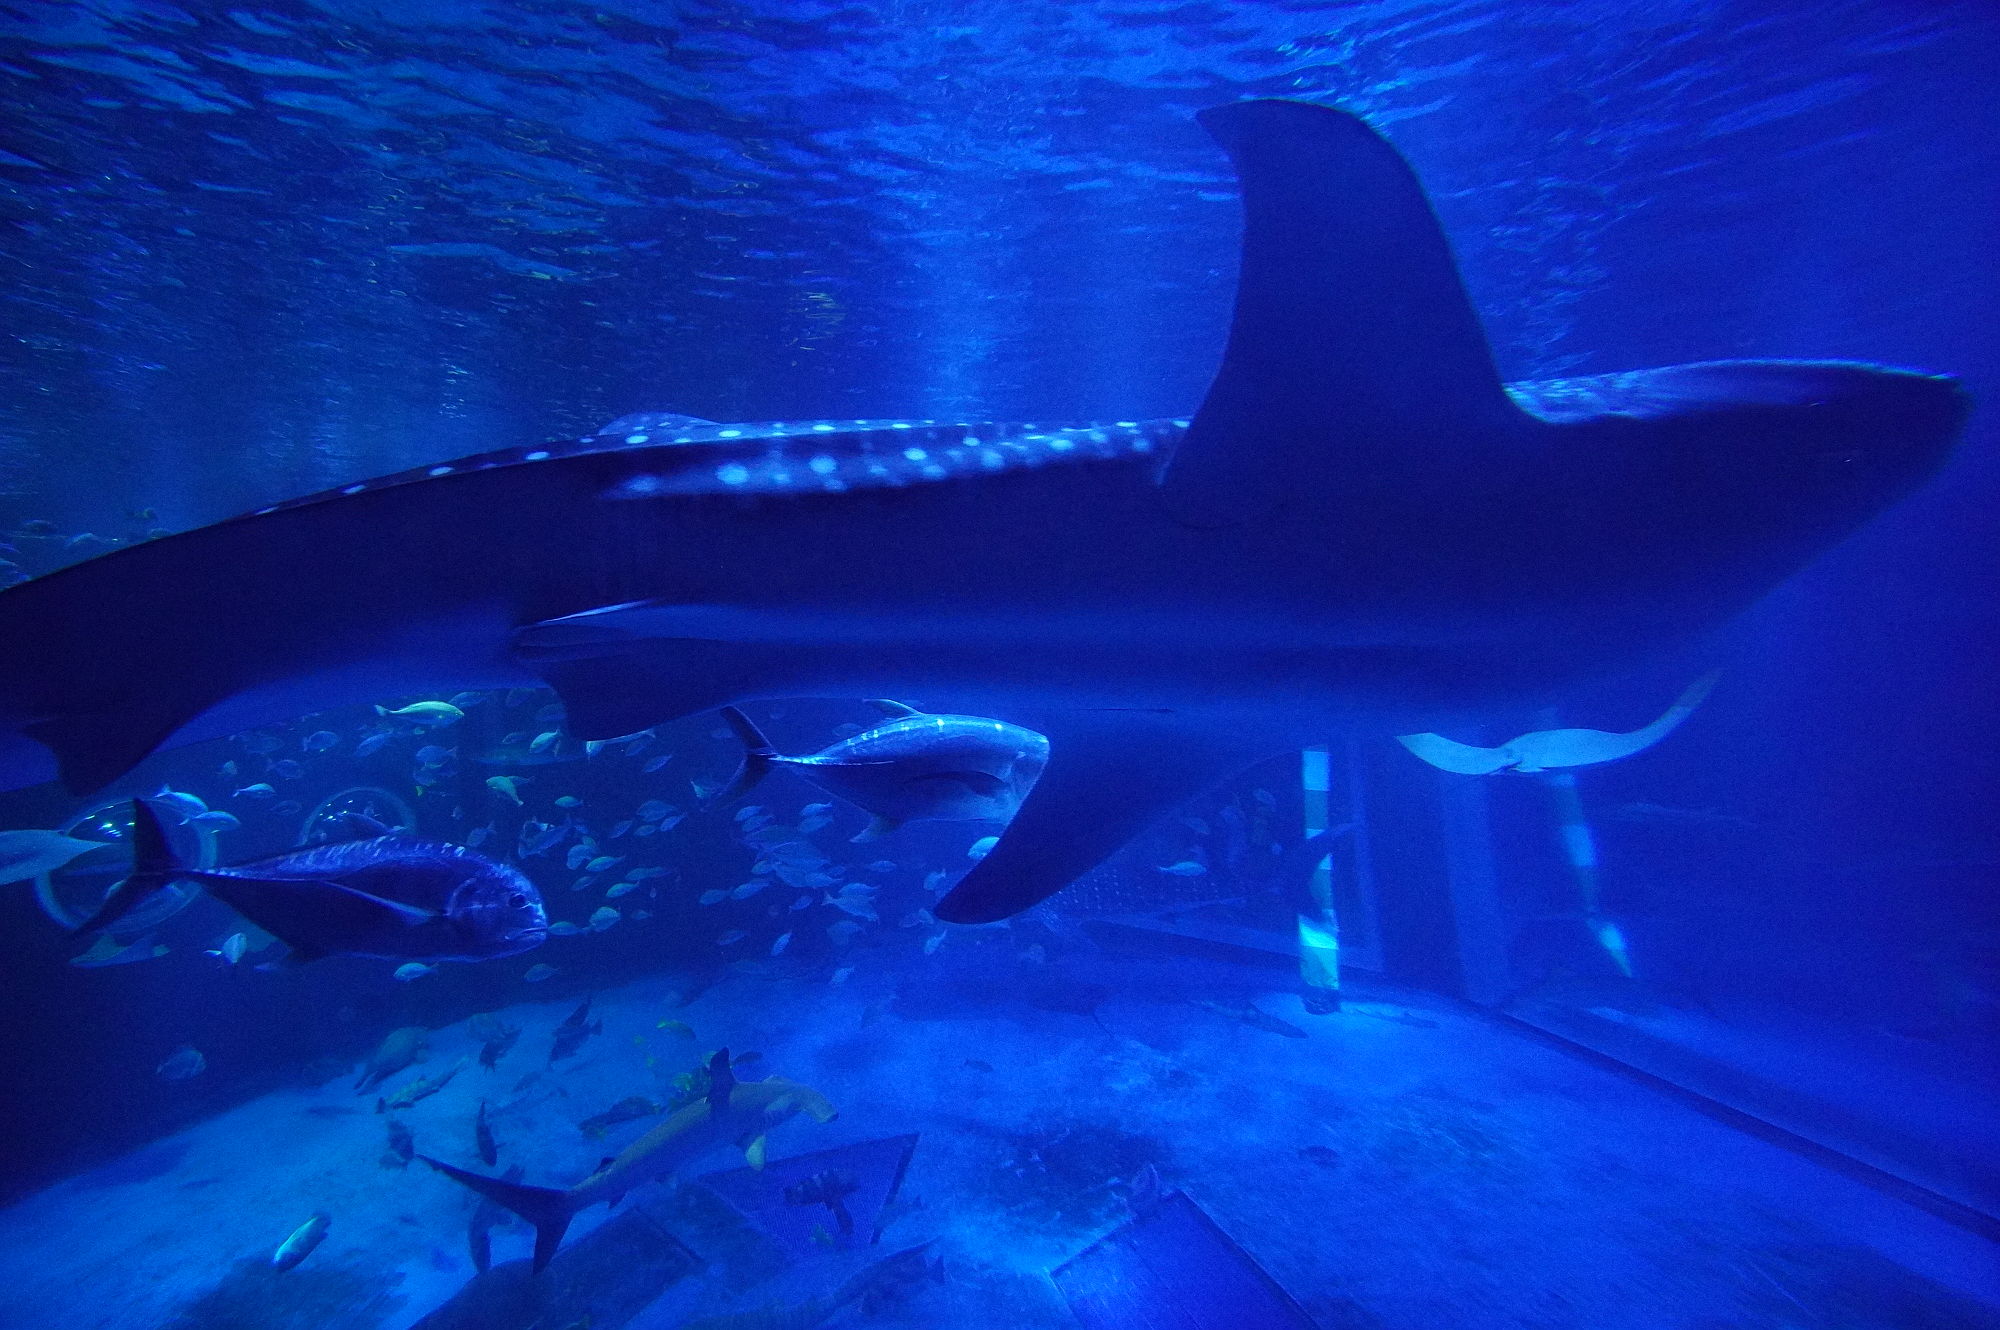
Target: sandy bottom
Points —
{"points": [[1408, 1164]]}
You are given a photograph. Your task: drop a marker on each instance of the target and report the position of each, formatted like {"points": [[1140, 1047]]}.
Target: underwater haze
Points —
{"points": [[752, 665]]}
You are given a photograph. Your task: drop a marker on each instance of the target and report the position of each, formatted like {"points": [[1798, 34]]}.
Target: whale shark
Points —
{"points": [[1362, 528]]}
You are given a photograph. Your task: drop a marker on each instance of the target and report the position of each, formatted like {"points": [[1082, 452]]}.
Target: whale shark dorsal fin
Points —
{"points": [[1354, 351], [1110, 775], [893, 709], [649, 422]]}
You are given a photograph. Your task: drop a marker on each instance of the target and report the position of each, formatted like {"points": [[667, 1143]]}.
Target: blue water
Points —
{"points": [[252, 253]]}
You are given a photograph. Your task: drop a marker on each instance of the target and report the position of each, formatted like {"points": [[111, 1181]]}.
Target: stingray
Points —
{"points": [[1553, 750], [1361, 529]]}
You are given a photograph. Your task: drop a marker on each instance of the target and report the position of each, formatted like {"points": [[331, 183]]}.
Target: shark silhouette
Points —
{"points": [[1361, 527]]}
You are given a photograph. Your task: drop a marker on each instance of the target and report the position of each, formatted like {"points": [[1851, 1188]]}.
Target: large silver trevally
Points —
{"points": [[915, 768], [385, 895]]}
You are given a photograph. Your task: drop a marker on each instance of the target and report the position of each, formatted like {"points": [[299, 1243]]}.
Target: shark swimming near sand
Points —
{"points": [[734, 1112], [1361, 529]]}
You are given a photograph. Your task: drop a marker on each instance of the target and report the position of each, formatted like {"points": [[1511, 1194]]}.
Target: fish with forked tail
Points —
{"points": [[625, 1110], [301, 1243], [486, 1216], [1363, 530], [482, 1136], [495, 1037], [422, 1088], [398, 1049], [402, 1145], [1255, 1017], [384, 895], [571, 1034], [733, 1113], [914, 768]]}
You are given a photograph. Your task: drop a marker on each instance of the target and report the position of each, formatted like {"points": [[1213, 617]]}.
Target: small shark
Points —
{"points": [[1362, 529], [732, 1113], [486, 1216]]}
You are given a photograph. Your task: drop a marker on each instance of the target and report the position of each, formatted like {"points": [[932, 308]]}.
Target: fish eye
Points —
{"points": [[517, 900]]}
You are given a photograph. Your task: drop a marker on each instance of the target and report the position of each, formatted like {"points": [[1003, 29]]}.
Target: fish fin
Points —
{"points": [[482, 1250], [154, 865], [623, 668], [294, 957], [643, 422], [1463, 759], [758, 755], [608, 630], [753, 1153], [606, 1162], [611, 1201], [94, 748], [1554, 750], [878, 827], [360, 826], [304, 913], [892, 709], [721, 1080], [547, 1208], [407, 913], [609, 696], [1353, 351], [1110, 775]]}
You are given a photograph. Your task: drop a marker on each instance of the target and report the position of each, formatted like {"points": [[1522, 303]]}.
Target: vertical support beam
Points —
{"points": [[1315, 779], [1319, 927], [1360, 903], [1438, 886], [1479, 931]]}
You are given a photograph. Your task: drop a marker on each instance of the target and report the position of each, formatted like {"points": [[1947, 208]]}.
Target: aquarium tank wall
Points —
{"points": [[735, 664]]}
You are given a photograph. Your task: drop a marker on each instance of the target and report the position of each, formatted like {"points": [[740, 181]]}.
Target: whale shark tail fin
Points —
{"points": [[758, 755], [1354, 353]]}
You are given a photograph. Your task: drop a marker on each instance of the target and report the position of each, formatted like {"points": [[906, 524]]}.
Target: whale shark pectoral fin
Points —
{"points": [[637, 624], [1354, 353], [621, 670], [94, 748], [602, 631], [1109, 776], [1463, 759]]}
